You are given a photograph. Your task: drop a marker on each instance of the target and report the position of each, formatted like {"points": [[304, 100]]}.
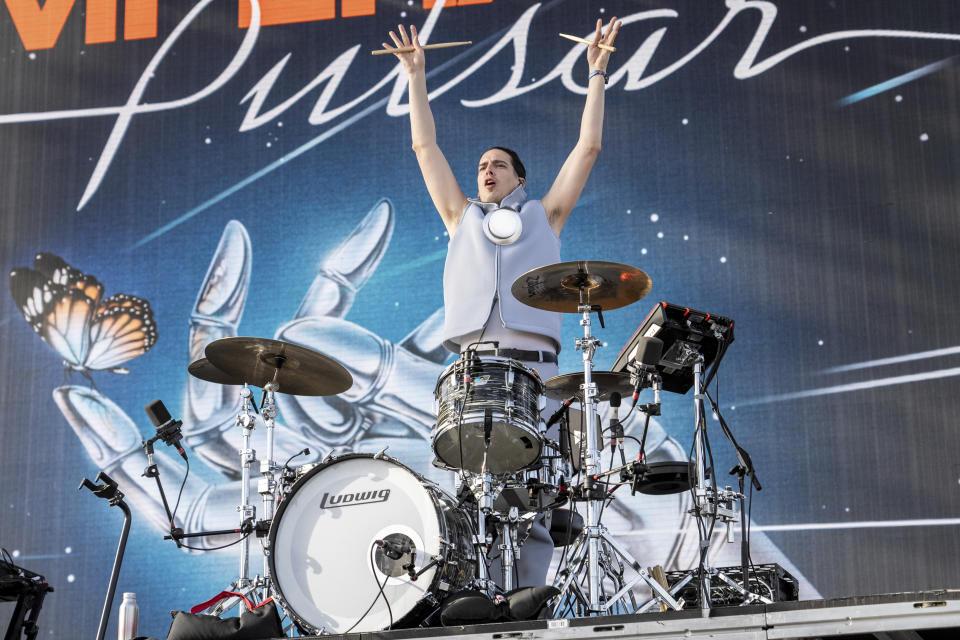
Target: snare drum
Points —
{"points": [[325, 561], [488, 397]]}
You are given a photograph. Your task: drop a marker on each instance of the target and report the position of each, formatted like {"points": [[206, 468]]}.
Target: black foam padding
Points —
{"points": [[530, 603], [565, 526], [471, 607]]}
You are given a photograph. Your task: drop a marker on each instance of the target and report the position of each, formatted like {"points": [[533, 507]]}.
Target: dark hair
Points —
{"points": [[514, 159]]}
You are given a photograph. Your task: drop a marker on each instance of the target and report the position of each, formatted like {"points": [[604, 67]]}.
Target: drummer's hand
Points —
{"points": [[597, 58], [414, 61]]}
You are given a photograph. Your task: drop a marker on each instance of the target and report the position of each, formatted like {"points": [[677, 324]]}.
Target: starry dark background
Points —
{"points": [[827, 232]]}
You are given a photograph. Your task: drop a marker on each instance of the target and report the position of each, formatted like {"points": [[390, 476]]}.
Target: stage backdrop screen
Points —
{"points": [[172, 173]]}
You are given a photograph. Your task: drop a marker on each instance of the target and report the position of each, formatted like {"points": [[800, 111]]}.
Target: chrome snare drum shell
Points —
{"points": [[480, 397]]}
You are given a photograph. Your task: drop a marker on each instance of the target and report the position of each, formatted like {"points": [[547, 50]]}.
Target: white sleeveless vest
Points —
{"points": [[477, 270]]}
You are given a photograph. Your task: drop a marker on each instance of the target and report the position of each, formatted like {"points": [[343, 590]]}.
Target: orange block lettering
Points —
{"points": [[353, 8], [39, 27], [287, 11], [428, 4], [101, 21], [139, 19]]}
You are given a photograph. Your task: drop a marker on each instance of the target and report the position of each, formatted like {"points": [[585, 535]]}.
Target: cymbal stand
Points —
{"points": [[257, 589], [246, 420], [595, 548], [267, 485]]}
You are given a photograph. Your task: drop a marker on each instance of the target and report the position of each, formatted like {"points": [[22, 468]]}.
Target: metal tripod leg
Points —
{"points": [[611, 559]]}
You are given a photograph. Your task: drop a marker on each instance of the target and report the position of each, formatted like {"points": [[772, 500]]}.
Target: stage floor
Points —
{"points": [[925, 615]]}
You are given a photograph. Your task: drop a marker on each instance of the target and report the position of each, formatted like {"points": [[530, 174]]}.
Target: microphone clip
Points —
{"points": [[170, 433], [651, 408]]}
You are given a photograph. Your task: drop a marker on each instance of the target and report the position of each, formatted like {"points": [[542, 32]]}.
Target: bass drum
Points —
{"points": [[329, 572]]}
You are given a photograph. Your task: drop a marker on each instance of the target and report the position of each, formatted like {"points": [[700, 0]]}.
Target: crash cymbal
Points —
{"points": [[298, 371], [557, 287], [204, 370], [568, 384]]}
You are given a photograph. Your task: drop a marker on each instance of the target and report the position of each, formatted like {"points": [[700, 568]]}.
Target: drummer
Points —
{"points": [[501, 234]]}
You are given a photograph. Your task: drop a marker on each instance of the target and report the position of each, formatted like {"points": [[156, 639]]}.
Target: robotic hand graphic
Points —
{"points": [[390, 403]]}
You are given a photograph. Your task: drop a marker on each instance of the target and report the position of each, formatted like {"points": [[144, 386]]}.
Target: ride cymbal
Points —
{"points": [[564, 286]]}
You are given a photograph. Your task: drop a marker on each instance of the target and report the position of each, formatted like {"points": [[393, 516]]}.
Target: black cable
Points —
{"points": [[380, 587], [749, 525], [229, 544], [463, 403], [302, 452], [566, 548], [180, 493], [469, 353], [607, 499], [626, 436]]}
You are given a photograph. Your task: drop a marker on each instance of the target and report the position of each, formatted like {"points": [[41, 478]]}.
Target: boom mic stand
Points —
{"points": [[743, 469], [169, 432], [719, 504], [107, 489]]}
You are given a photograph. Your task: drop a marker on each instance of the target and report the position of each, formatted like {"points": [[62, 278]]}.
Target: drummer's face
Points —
{"points": [[496, 177]]}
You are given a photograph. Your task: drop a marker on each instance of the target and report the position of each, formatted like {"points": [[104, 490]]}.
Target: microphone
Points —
{"points": [[643, 368], [393, 550], [168, 429], [615, 428], [559, 412]]}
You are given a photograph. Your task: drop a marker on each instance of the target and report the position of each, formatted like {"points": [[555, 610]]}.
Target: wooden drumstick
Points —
{"points": [[605, 47], [439, 45]]}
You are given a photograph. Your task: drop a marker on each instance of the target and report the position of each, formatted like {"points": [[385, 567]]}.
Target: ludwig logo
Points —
{"points": [[353, 499]]}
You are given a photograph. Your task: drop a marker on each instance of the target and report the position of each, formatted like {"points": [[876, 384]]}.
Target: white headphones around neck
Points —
{"points": [[502, 226], [501, 222]]}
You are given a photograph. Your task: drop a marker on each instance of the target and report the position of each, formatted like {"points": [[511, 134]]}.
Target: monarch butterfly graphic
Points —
{"points": [[66, 308]]}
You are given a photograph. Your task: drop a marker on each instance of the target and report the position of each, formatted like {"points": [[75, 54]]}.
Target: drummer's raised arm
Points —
{"points": [[569, 183], [446, 194]]}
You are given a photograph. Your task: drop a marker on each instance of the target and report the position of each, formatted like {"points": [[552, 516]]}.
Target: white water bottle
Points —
{"points": [[129, 612]]}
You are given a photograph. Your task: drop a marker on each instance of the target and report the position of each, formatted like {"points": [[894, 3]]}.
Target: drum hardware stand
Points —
{"points": [[595, 541], [717, 503], [267, 485], [107, 489], [508, 547], [246, 420]]}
